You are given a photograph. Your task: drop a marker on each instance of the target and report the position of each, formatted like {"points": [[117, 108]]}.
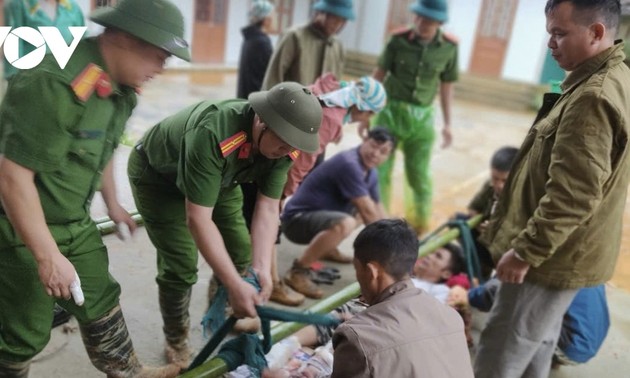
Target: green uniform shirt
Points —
{"points": [[414, 69], [484, 200], [65, 133], [186, 149]]}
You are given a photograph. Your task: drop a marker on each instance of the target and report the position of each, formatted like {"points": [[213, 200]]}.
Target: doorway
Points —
{"points": [[208, 41]]}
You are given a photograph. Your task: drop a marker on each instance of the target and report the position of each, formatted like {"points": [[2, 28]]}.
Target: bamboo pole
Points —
{"points": [[215, 367], [106, 226]]}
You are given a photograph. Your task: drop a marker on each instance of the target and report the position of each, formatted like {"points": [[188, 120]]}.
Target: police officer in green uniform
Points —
{"points": [[58, 131], [414, 63], [185, 175]]}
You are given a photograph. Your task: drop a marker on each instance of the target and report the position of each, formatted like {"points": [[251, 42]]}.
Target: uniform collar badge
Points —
{"points": [[293, 155], [245, 150], [104, 86]]}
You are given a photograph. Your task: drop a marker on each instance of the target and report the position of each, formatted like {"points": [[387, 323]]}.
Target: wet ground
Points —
{"points": [[458, 172]]}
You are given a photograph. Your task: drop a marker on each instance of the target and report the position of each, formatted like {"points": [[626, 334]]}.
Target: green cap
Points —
{"points": [[158, 22], [434, 9], [292, 112]]}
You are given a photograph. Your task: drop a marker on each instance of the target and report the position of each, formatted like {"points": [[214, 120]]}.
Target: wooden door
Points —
{"points": [[208, 41], [282, 16], [493, 35], [399, 16]]}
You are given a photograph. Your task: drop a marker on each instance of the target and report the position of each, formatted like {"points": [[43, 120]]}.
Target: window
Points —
{"points": [[282, 16], [497, 16], [210, 11]]}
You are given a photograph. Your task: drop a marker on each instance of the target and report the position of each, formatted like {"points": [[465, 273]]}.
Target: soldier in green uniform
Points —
{"points": [[185, 175], [58, 131], [414, 63]]}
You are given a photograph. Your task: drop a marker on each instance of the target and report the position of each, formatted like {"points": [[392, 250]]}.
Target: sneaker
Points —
{"points": [[283, 294], [336, 256], [299, 279]]}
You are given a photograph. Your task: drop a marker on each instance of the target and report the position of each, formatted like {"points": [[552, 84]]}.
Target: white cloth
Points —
{"points": [[436, 290], [367, 94]]}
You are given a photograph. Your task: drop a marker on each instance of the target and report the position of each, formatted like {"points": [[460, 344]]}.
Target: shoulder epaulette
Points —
{"points": [[294, 155], [91, 78], [403, 30], [230, 144], [450, 37]]}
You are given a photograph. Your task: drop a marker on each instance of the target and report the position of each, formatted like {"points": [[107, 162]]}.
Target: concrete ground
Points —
{"points": [[458, 172]]}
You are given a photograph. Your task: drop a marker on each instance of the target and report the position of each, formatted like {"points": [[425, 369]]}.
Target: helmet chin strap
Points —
{"points": [[260, 136]]}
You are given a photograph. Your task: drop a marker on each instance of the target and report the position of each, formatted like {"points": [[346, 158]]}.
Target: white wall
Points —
{"points": [[301, 10], [463, 19], [187, 7], [236, 20], [367, 32], [528, 44]]}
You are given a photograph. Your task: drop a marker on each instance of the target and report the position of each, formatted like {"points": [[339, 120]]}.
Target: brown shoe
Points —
{"points": [[336, 256], [299, 279], [283, 294]]}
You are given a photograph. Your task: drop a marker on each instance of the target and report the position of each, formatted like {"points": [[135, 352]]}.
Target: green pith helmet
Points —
{"points": [[158, 22], [292, 112], [340, 8], [434, 9]]}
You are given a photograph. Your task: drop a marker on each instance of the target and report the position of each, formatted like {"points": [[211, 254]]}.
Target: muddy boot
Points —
{"points": [[174, 308], [109, 347], [283, 294], [9, 369], [299, 279]]}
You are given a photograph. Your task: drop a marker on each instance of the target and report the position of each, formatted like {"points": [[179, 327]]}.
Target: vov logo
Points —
{"points": [[40, 38]]}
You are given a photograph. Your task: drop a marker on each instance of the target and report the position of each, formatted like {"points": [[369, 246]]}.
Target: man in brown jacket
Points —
{"points": [[557, 226], [405, 332]]}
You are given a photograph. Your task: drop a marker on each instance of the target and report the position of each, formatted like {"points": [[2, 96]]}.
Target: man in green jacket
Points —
{"points": [[415, 63], [308, 51], [303, 54], [58, 131], [557, 226], [185, 176]]}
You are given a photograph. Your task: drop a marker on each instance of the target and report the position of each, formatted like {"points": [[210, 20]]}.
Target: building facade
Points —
{"points": [[500, 39]]}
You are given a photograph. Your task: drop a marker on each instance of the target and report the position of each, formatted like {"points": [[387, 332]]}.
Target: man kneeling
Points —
{"points": [[320, 213], [404, 332]]}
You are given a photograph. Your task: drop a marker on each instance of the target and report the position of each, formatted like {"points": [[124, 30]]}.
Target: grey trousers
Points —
{"points": [[522, 331]]}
